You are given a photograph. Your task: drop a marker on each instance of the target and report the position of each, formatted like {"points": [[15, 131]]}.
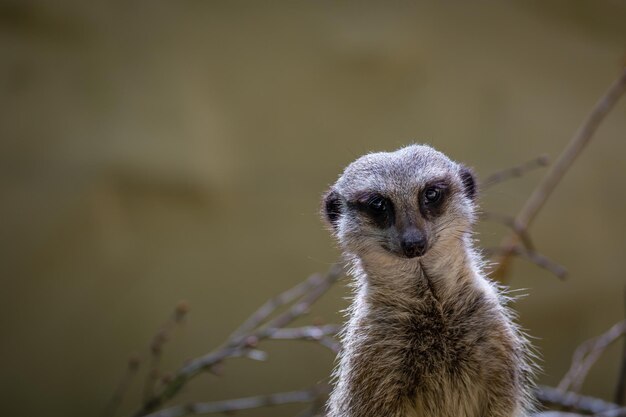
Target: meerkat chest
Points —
{"points": [[439, 358], [435, 341], [440, 339], [425, 352]]}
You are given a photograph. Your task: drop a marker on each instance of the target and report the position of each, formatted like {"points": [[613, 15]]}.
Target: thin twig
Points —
{"points": [[322, 334], [229, 406], [558, 414], [246, 338], [270, 306], [555, 174], [304, 332], [122, 387], [156, 347], [509, 222], [571, 401], [514, 172], [302, 307], [316, 409], [618, 412], [587, 354], [532, 256]]}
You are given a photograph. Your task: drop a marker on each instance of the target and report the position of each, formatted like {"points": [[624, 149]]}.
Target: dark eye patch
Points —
{"points": [[376, 207], [433, 197]]}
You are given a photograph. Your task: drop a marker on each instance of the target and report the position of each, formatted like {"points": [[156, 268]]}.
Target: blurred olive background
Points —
{"points": [[156, 151]]}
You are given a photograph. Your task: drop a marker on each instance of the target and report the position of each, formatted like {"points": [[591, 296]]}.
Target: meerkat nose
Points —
{"points": [[413, 243]]}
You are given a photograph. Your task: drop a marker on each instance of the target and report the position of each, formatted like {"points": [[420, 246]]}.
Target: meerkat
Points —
{"points": [[428, 334]]}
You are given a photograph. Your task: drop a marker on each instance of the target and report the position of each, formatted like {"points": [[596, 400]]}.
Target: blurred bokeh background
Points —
{"points": [[158, 151]]}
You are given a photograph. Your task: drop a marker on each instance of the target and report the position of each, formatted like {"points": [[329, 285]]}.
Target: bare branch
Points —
{"points": [[122, 387], [322, 334], [239, 404], [618, 412], [541, 194], [532, 256], [557, 414], [587, 354], [570, 401], [514, 172], [156, 347], [331, 344], [305, 332], [247, 337], [323, 283], [317, 407], [509, 222], [270, 306], [542, 261]]}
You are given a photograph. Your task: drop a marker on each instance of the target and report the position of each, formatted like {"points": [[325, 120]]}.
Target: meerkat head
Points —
{"points": [[403, 204]]}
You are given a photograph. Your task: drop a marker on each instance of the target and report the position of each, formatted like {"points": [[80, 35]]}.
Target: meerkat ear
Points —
{"points": [[332, 207], [469, 182]]}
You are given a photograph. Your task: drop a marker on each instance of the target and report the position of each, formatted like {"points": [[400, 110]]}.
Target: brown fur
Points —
{"points": [[427, 336]]}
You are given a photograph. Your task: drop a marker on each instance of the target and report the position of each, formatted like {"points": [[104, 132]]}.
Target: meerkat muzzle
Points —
{"points": [[413, 242]]}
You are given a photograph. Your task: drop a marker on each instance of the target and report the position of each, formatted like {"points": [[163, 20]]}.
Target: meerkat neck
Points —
{"points": [[441, 275]]}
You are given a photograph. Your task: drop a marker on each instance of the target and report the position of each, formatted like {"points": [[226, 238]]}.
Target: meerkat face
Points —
{"points": [[403, 204]]}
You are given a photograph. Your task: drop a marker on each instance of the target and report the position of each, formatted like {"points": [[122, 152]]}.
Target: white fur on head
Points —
{"points": [[400, 176]]}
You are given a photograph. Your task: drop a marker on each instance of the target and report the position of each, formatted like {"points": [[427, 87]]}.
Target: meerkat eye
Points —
{"points": [[432, 195], [379, 209], [377, 204]]}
